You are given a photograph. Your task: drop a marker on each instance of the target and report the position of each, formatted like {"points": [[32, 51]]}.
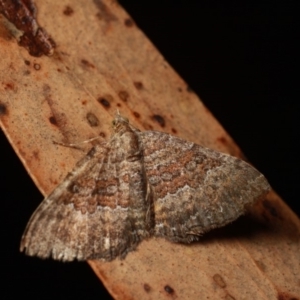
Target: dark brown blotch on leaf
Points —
{"points": [[139, 85], [136, 114], [9, 86], [53, 120], [218, 279], [104, 12], [37, 67], [159, 119], [123, 95], [87, 64], [3, 109], [286, 296], [104, 102], [260, 265], [36, 155], [271, 209], [147, 287], [222, 140], [92, 119], [129, 22], [169, 290], [68, 11]]}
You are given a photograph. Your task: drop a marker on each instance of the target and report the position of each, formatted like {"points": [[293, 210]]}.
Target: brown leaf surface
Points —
{"points": [[102, 63]]}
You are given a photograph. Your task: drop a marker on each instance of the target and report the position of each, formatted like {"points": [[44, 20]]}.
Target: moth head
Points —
{"points": [[119, 121]]}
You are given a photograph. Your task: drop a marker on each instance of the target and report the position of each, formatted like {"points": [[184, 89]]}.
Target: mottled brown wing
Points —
{"points": [[196, 189], [97, 212]]}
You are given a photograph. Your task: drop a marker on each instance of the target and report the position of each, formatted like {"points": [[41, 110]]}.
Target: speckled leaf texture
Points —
{"points": [[99, 62]]}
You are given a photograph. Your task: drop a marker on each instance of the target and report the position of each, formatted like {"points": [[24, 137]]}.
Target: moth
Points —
{"points": [[137, 185]]}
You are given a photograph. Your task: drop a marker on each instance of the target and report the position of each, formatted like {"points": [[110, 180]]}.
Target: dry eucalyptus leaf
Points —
{"points": [[103, 63]]}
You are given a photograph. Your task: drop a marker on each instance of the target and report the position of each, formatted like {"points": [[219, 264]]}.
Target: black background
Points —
{"points": [[241, 60]]}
